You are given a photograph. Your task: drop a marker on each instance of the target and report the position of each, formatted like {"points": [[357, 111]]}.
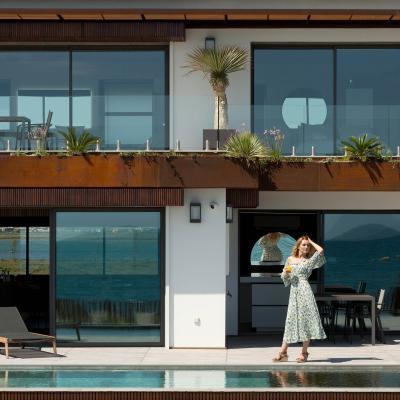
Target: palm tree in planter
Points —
{"points": [[216, 64]]}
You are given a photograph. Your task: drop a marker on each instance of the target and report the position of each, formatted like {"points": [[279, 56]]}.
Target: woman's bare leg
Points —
{"points": [[282, 355], [284, 347], [304, 352], [305, 347]]}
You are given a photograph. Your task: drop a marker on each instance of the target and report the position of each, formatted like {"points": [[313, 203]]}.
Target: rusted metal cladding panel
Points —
{"points": [[332, 176], [242, 198], [119, 172], [214, 171], [91, 31], [90, 197]]}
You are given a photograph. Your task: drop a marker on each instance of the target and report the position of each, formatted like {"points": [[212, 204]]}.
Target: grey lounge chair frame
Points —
{"points": [[13, 330]]}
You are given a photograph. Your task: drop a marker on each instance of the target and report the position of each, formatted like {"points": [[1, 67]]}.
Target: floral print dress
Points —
{"points": [[302, 321]]}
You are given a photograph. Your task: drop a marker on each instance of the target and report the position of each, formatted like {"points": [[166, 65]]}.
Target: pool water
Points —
{"points": [[194, 379]]}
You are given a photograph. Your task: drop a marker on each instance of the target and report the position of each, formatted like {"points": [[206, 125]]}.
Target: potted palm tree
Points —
{"points": [[216, 64]]}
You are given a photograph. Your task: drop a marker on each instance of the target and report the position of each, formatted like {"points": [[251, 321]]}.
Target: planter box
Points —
{"points": [[113, 171], [332, 176]]}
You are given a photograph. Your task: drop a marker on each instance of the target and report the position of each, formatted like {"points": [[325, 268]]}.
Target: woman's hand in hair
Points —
{"points": [[316, 246]]}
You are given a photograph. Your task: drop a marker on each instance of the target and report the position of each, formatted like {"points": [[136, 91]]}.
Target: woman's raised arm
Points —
{"points": [[316, 246]]}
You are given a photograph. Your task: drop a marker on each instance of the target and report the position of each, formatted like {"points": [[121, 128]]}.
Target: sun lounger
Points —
{"points": [[13, 330]]}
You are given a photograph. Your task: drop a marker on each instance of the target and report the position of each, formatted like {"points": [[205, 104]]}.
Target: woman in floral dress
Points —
{"points": [[302, 321]]}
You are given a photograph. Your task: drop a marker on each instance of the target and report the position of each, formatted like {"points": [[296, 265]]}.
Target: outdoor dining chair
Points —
{"points": [[45, 129], [362, 312]]}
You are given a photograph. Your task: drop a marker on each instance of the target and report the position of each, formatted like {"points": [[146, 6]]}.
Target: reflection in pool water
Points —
{"points": [[195, 379]]}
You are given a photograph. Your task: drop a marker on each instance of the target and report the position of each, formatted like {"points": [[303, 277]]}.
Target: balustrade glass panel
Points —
{"points": [[124, 92], [293, 91], [368, 94], [32, 83]]}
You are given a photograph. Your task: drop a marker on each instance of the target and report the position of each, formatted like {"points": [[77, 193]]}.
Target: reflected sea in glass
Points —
{"points": [[195, 379]]}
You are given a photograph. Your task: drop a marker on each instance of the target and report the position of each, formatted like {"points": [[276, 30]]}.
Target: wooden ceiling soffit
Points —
{"points": [[288, 17], [164, 16], [330, 17], [9, 16], [38, 16], [371, 17], [123, 16], [90, 197], [212, 16], [201, 15], [86, 16], [91, 31], [242, 198], [247, 16]]}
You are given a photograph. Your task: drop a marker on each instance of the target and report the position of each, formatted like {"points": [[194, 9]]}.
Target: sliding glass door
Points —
{"points": [[109, 277], [24, 273]]}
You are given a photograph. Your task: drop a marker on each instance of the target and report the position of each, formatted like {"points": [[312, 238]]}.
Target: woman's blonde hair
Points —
{"points": [[295, 251]]}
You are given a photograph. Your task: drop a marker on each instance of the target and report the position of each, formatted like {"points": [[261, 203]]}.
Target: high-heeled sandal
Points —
{"points": [[303, 358], [281, 357]]}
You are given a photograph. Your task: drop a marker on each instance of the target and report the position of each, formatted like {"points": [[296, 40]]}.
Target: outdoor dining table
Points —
{"points": [[349, 297], [16, 118]]}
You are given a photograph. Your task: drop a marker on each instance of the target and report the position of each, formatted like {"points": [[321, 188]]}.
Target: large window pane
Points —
{"points": [[293, 91], [124, 93], [12, 251], [108, 277], [31, 84], [368, 99], [365, 247]]}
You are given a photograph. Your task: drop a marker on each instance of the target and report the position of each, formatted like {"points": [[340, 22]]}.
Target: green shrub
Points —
{"points": [[363, 149], [245, 145], [79, 144]]}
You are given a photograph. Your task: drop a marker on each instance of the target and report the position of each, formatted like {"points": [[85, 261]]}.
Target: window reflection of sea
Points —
{"points": [[376, 262]]}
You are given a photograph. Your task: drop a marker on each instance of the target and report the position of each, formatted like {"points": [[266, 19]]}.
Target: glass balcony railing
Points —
{"points": [[160, 123]]}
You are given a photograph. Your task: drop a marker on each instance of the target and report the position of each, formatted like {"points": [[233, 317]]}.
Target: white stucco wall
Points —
{"points": [[191, 96], [197, 264]]}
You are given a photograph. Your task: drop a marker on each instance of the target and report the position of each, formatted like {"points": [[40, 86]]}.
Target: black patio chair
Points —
{"points": [[363, 311]]}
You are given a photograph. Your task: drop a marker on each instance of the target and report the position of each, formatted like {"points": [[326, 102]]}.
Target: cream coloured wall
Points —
{"points": [[196, 265]]}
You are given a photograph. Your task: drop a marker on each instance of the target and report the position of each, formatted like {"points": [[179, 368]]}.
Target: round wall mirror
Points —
{"points": [[273, 248]]}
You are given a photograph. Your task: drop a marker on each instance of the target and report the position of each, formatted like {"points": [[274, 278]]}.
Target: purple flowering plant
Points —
{"points": [[274, 139]]}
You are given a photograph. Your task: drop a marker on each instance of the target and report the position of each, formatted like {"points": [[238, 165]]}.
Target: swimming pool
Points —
{"points": [[196, 379]]}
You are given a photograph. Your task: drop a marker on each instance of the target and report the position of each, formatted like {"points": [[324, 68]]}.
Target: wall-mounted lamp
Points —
{"points": [[209, 43], [229, 213], [195, 212]]}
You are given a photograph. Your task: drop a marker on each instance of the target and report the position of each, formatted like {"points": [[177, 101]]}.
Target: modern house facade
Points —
{"points": [[133, 244]]}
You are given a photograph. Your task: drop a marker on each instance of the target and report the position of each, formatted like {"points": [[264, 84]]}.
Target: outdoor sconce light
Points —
{"points": [[195, 212], [229, 213], [209, 43]]}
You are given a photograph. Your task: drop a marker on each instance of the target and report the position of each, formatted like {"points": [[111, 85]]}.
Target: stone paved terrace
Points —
{"points": [[250, 351]]}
